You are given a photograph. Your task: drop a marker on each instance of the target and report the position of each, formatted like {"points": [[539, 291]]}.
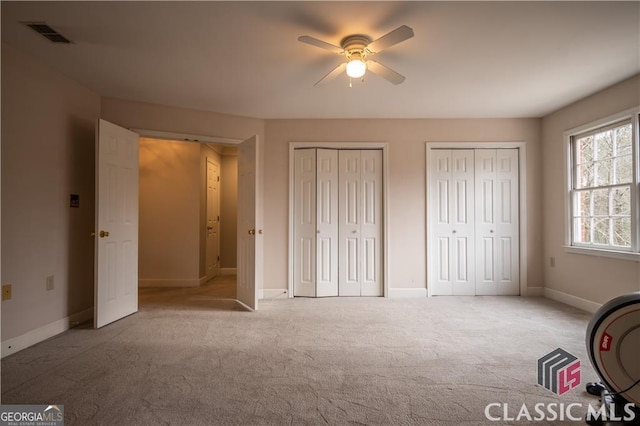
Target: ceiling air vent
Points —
{"points": [[46, 31]]}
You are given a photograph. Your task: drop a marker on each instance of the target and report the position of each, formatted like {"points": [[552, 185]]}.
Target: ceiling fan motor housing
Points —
{"points": [[355, 43]]}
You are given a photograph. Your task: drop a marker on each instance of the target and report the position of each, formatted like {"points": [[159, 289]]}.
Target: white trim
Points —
{"points": [[621, 255], [628, 114], [522, 159], [170, 282], [273, 293], [385, 200], [30, 338], [407, 293], [187, 137], [228, 271], [571, 300]]}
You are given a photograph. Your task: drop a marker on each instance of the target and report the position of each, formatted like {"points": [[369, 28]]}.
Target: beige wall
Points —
{"points": [[595, 279], [48, 128], [169, 213], [172, 215], [229, 211], [407, 204], [142, 115]]}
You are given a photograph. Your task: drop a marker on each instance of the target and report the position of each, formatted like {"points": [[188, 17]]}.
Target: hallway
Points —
{"points": [[218, 293]]}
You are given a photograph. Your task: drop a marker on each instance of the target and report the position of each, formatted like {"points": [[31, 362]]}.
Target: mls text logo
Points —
{"points": [[559, 371]]}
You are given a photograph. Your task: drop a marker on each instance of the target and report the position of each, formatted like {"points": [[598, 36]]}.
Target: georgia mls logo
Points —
{"points": [[559, 371]]}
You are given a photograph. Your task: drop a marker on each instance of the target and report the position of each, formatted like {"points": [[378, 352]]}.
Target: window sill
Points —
{"points": [[621, 255]]}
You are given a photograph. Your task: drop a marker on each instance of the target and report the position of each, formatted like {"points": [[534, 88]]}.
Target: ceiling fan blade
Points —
{"points": [[321, 44], [333, 73], [384, 72], [394, 37]]}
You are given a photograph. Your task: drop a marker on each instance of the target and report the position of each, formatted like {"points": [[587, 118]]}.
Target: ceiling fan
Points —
{"points": [[357, 49]]}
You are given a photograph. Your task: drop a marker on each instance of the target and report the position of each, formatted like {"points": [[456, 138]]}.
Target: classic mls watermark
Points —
{"points": [[31, 415], [557, 411], [559, 372]]}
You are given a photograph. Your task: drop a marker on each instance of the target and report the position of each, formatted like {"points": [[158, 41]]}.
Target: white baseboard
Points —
{"points": [[412, 293], [39, 334], [271, 293], [534, 291], [228, 271], [169, 282], [568, 299]]}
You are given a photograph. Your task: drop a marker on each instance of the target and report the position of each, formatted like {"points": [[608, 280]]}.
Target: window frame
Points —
{"points": [[629, 253]]}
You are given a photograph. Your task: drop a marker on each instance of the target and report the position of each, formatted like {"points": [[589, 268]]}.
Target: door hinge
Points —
{"points": [[218, 218], [218, 178], [218, 258]]}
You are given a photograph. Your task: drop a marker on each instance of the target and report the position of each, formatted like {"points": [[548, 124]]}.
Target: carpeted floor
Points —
{"points": [[192, 357]]}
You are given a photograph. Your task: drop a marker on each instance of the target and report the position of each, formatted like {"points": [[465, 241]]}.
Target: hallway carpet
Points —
{"points": [[194, 359]]}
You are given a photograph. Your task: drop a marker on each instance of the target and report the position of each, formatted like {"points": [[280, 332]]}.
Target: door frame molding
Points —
{"points": [[190, 137], [522, 178], [384, 146]]}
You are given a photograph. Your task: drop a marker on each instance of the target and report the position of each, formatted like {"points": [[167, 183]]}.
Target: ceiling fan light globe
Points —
{"points": [[356, 68]]}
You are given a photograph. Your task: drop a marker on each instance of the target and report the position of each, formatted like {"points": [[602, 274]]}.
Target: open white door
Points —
{"points": [[249, 236], [116, 245]]}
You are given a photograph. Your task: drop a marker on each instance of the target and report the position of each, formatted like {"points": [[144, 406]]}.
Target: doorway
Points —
{"points": [[118, 172], [208, 190], [188, 206]]}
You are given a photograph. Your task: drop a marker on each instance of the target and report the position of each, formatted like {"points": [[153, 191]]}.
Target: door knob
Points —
{"points": [[260, 231], [252, 232], [491, 231], [209, 228], [454, 231], [104, 234]]}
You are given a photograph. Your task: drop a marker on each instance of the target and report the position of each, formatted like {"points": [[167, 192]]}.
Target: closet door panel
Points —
{"points": [[507, 223], [327, 223], [441, 234], [486, 205], [349, 222], [371, 222], [304, 229], [462, 221]]}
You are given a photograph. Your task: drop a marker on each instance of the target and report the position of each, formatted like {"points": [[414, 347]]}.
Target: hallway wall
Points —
{"points": [[169, 215]]}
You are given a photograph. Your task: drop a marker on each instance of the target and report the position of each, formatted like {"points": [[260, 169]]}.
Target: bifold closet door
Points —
{"points": [[327, 223], [360, 223], [497, 222], [452, 209], [315, 256]]}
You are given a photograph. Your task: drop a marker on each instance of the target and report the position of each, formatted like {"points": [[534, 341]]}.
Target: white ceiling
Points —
{"points": [[467, 59]]}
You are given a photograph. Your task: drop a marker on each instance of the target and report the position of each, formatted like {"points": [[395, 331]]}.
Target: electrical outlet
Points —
{"points": [[50, 284], [6, 292], [552, 262]]}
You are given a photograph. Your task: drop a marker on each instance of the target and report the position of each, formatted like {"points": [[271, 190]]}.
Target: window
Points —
{"points": [[604, 186]]}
